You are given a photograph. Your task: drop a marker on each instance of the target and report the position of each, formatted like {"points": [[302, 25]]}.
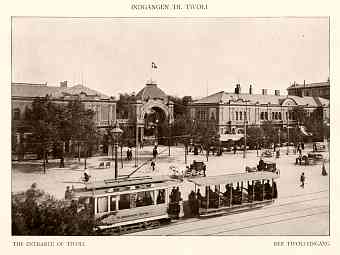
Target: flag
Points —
{"points": [[153, 65]]}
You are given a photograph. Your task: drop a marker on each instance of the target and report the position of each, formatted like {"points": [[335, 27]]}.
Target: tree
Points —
{"points": [[254, 136], [316, 125], [36, 213], [41, 119], [53, 125]]}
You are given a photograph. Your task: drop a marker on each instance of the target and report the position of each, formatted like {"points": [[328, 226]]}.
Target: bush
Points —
{"points": [[36, 213]]}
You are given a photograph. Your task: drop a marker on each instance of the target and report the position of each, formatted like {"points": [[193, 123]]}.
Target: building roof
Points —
{"points": [[78, 89], [151, 91], [33, 90], [224, 97], [309, 85], [41, 90]]}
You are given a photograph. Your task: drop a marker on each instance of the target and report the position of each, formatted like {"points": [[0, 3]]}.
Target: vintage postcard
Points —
{"points": [[170, 127]]}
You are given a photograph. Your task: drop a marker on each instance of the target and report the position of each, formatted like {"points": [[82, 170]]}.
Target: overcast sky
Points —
{"points": [[193, 55]]}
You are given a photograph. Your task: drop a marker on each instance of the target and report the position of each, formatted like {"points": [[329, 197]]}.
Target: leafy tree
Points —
{"points": [[36, 213]]}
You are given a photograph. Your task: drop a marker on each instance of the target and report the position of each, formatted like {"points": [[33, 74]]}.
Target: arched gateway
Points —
{"points": [[152, 114]]}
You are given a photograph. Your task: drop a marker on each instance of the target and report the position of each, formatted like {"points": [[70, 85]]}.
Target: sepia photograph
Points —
{"points": [[173, 126]]}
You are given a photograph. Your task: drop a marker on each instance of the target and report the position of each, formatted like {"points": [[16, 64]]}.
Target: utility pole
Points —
{"points": [[245, 133], [136, 151]]}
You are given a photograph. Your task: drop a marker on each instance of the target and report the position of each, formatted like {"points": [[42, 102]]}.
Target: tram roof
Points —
{"points": [[121, 182], [232, 178]]}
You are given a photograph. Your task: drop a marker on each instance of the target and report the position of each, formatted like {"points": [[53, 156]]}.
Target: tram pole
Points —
{"points": [[136, 150]]}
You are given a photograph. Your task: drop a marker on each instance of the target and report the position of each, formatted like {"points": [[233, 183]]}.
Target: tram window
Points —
{"points": [[102, 204], [124, 201], [113, 203], [161, 196], [145, 198]]}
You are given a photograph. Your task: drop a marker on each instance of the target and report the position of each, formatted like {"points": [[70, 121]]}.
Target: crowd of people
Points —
{"points": [[231, 196]]}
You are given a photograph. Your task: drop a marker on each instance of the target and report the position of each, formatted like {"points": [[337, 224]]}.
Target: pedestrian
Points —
{"points": [[302, 180], [86, 175], [302, 146], [324, 172], [153, 164], [68, 193], [62, 164], [154, 152]]}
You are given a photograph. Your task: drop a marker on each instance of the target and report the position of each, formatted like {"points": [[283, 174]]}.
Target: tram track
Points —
{"points": [[264, 209], [247, 220]]}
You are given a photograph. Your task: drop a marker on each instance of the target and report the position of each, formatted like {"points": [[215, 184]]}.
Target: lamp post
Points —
{"points": [[156, 131], [288, 131], [116, 131]]}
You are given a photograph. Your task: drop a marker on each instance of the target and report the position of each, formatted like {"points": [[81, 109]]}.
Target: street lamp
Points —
{"points": [[116, 131], [156, 131]]}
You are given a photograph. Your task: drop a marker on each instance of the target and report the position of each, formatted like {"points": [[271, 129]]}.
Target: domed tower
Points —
{"points": [[154, 112]]}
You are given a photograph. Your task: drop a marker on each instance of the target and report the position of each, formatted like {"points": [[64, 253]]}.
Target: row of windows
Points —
{"points": [[127, 201], [241, 115]]}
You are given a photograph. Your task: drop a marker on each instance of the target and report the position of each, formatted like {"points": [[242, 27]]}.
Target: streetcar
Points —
{"points": [[126, 202], [233, 193]]}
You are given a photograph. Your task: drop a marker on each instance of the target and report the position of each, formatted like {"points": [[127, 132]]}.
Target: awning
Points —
{"points": [[231, 137]]}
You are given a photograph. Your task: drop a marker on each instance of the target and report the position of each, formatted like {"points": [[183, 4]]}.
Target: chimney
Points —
{"points": [[277, 92], [250, 89], [238, 89], [264, 91], [63, 84]]}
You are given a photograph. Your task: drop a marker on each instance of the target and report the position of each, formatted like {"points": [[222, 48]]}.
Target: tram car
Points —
{"points": [[233, 193], [126, 202]]}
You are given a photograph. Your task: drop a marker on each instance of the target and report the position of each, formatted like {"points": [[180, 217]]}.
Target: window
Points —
{"points": [[102, 204], [236, 115], [266, 115], [113, 203], [245, 115], [273, 115], [262, 115], [240, 115], [280, 117], [105, 113], [124, 201], [145, 198], [16, 114], [161, 196]]}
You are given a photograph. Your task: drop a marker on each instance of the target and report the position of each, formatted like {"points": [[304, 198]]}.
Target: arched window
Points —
{"points": [[16, 114], [280, 117]]}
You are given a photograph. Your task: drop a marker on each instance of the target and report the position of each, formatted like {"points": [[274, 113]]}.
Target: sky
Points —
{"points": [[194, 56]]}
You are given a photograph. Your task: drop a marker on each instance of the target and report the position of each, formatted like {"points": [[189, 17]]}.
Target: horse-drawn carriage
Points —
{"points": [[267, 153], [311, 158], [267, 166], [196, 168]]}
